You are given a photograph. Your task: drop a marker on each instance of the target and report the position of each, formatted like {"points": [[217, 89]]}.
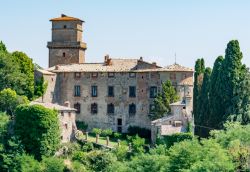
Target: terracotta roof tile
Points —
{"points": [[66, 18]]}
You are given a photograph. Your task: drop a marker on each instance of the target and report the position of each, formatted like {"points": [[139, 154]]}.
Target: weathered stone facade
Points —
{"points": [[134, 85]]}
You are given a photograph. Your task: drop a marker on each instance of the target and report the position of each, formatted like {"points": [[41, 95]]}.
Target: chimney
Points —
{"points": [[107, 60], [67, 104], [154, 65], [141, 59], [63, 15]]}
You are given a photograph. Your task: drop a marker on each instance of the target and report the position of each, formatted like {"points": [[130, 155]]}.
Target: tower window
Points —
{"points": [[64, 54], [65, 26], [94, 108]]}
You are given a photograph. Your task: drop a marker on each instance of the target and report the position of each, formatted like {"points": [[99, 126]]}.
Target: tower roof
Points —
{"points": [[66, 18]]}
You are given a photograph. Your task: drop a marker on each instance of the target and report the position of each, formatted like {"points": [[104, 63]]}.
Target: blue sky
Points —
{"points": [[155, 30]]}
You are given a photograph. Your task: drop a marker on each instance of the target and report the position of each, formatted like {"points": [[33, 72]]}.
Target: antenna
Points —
{"points": [[175, 58]]}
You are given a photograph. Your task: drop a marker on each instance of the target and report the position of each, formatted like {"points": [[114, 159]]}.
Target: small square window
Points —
{"points": [[184, 76], [94, 108], [94, 91], [64, 54], [66, 126], [132, 75], [111, 74], [62, 114], [94, 75]]}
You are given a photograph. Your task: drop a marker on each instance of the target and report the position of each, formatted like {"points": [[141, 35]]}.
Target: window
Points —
{"points": [[94, 91], [94, 75], [132, 75], [65, 26], [153, 92], [111, 91], [66, 126], [111, 74], [151, 108], [132, 91], [77, 106], [132, 109], [110, 108], [62, 114], [94, 108], [77, 75], [64, 54], [184, 76], [77, 91]]}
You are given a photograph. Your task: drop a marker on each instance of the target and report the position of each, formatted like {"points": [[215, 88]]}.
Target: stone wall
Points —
{"points": [[64, 91]]}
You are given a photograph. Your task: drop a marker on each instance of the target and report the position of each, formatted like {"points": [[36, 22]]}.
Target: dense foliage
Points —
{"points": [[9, 100], [224, 94], [38, 129], [163, 100], [17, 72], [142, 132]]}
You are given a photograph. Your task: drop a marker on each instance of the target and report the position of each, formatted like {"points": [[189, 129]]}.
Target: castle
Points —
{"points": [[116, 93]]}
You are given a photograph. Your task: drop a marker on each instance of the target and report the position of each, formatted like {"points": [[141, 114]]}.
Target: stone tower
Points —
{"points": [[66, 46]]}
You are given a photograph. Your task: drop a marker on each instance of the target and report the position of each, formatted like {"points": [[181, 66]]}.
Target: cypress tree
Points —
{"points": [[231, 80], [198, 78], [203, 110], [216, 96]]}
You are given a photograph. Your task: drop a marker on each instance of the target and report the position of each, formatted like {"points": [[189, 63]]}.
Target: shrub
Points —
{"points": [[81, 125], [107, 132], [88, 146], [138, 144], [53, 164], [97, 131], [117, 135], [142, 132], [170, 140]]}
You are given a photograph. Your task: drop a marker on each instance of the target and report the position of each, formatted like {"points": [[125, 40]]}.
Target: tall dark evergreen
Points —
{"points": [[232, 79], [198, 78], [203, 110], [216, 96]]}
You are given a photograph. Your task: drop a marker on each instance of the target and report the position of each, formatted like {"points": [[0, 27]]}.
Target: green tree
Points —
{"points": [[27, 68], [215, 119], [232, 79], [198, 78], [38, 129], [9, 100], [163, 100], [203, 110], [40, 87], [53, 164], [27, 163], [236, 139], [2, 47]]}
